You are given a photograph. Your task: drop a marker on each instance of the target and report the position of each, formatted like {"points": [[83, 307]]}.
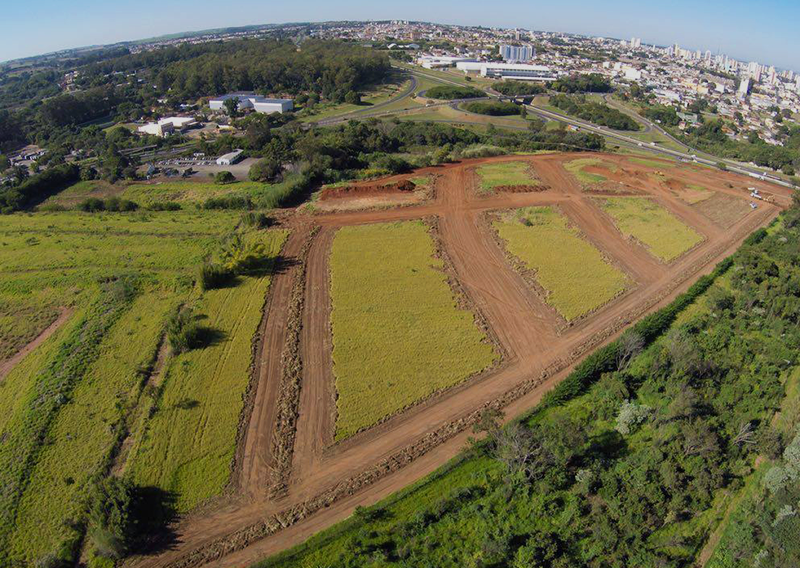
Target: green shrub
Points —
{"points": [[256, 220], [228, 202], [224, 177], [449, 93], [165, 206], [214, 276], [183, 333], [92, 205], [492, 108], [110, 519]]}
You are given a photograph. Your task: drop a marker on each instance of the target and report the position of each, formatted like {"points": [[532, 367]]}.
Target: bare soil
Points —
{"points": [[329, 480], [8, 365]]}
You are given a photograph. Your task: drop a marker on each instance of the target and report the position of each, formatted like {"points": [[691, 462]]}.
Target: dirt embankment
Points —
{"points": [[365, 189]]}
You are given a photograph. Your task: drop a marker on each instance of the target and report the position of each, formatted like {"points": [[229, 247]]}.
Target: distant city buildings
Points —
{"points": [[517, 53]]}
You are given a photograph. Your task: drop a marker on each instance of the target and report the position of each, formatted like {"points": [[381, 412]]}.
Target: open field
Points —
{"points": [[573, 273], [505, 174], [390, 299], [190, 440], [647, 222], [105, 284], [724, 210], [579, 167], [288, 421]]}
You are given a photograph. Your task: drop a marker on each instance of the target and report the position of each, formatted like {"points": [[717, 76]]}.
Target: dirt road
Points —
{"points": [[539, 348]]}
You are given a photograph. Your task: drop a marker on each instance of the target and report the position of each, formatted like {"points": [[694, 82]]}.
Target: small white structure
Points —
{"points": [[253, 101], [166, 126], [230, 158], [441, 61]]}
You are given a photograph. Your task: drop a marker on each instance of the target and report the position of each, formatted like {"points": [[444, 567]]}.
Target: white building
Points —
{"points": [[230, 158], [517, 53], [438, 61], [166, 126], [518, 72], [470, 66], [253, 101]]}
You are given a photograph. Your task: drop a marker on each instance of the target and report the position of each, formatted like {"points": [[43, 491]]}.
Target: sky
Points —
{"points": [[763, 31]]}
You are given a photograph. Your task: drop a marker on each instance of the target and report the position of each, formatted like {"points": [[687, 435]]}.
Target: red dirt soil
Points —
{"points": [[367, 188], [539, 351]]}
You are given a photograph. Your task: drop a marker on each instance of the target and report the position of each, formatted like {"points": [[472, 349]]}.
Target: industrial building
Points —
{"points": [[517, 53], [167, 126], [439, 61], [518, 72], [253, 101], [230, 158]]}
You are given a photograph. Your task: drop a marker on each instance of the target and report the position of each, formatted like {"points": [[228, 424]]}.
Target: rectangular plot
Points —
{"points": [[663, 234], [398, 335], [572, 271], [505, 174]]}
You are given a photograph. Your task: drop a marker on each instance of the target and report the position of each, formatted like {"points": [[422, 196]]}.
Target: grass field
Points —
{"points": [[572, 271], [665, 236], [390, 299], [504, 173], [577, 168], [190, 441], [694, 194], [62, 406], [657, 164]]}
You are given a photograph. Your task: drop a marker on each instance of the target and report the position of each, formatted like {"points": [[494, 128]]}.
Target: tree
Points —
{"points": [[110, 516], [266, 170], [231, 107], [224, 177], [353, 98]]}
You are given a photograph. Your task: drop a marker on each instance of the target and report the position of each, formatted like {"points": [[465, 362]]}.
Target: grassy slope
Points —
{"points": [[572, 271], [665, 236], [391, 299], [576, 168], [190, 440]]}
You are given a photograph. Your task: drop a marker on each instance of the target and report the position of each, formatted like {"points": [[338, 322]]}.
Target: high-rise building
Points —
{"points": [[744, 88], [517, 52], [754, 70], [636, 42]]}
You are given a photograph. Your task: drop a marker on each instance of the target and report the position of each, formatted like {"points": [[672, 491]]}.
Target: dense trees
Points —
{"points": [[451, 92], [595, 112], [590, 83], [37, 188], [519, 88], [493, 108]]}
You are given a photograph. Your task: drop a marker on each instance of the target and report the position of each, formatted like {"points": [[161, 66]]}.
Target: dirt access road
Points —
{"points": [[327, 480]]}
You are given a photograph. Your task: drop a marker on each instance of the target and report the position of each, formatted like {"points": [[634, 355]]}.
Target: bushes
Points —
{"points": [[164, 206], [214, 276], [38, 188], [110, 521], [266, 170], [591, 83], [228, 202], [492, 108], [113, 204], [519, 88], [256, 220], [449, 93], [482, 151], [224, 177], [183, 333], [594, 112]]}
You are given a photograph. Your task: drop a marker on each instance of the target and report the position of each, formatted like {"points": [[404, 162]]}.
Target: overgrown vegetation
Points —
{"points": [[451, 92], [505, 174], [492, 108], [598, 113]]}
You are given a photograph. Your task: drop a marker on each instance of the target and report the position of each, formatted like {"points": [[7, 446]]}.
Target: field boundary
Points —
{"points": [[9, 364], [288, 403]]}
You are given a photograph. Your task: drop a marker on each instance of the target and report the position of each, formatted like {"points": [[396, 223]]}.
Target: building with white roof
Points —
{"points": [[518, 72], [166, 126], [253, 101]]}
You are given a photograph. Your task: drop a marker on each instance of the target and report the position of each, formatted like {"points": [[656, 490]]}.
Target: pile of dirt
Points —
{"points": [[521, 188], [367, 189]]}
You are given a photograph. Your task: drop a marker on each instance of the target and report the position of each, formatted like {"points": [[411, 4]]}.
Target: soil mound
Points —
{"points": [[367, 189]]}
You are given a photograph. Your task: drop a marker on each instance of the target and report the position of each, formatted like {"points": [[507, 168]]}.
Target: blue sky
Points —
{"points": [[765, 31]]}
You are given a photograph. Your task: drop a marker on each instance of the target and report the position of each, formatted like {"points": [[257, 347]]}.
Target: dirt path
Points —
{"points": [[8, 365], [539, 354]]}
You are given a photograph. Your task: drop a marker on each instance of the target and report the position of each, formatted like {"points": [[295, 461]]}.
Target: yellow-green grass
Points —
{"points": [[190, 440], [398, 335], [20, 322], [577, 168], [651, 163], [694, 194], [191, 191], [376, 96], [504, 173], [640, 218], [84, 431], [571, 270]]}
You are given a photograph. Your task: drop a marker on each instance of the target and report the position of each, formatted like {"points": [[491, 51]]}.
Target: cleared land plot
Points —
{"points": [[724, 210], [578, 169], [505, 174], [644, 220], [693, 194], [651, 163], [398, 335], [190, 440], [574, 274]]}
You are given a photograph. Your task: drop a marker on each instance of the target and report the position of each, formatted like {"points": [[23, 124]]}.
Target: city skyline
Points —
{"points": [[721, 27]]}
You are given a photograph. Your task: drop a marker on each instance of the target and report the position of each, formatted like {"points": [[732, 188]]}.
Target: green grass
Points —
{"points": [[642, 219], [651, 163], [571, 270], [391, 299], [505, 173], [193, 192], [190, 441], [577, 168], [85, 431]]}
